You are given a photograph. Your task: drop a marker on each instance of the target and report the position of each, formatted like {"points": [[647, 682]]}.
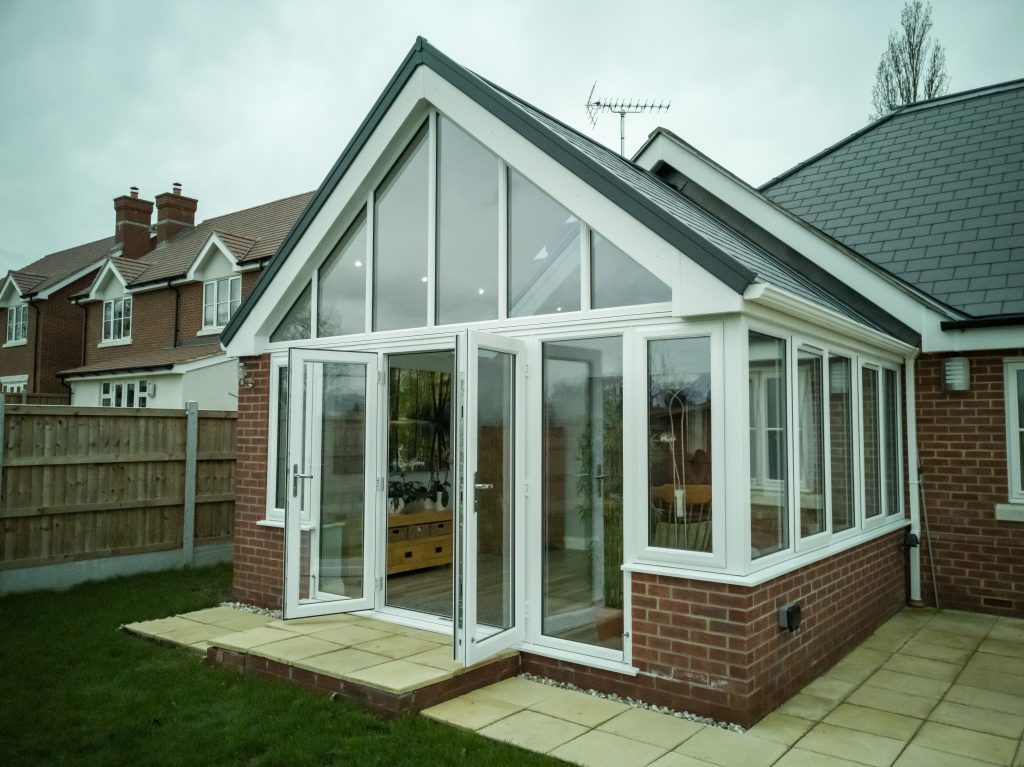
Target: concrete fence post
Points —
{"points": [[191, 451]]}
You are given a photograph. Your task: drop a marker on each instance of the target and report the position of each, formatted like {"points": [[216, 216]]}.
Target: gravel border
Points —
{"points": [[251, 609], [634, 703]]}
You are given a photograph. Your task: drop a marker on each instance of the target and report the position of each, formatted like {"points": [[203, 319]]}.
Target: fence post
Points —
{"points": [[191, 449]]}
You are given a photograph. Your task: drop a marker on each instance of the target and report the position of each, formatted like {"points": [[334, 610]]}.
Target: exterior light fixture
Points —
{"points": [[957, 374]]}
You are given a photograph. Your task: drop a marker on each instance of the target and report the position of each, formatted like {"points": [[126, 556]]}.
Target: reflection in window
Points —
{"points": [[400, 241], [341, 292], [543, 252], [281, 470], [618, 280], [296, 324], [582, 491], [467, 228], [769, 528], [840, 409], [812, 444], [892, 450], [872, 443], [679, 442]]}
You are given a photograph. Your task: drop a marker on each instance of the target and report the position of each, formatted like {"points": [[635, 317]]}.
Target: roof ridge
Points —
{"points": [[986, 90], [253, 207]]}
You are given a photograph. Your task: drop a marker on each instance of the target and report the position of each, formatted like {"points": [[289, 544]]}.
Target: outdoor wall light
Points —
{"points": [[957, 374], [789, 617], [244, 379]]}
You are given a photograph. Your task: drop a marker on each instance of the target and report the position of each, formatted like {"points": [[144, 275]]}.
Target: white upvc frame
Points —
{"points": [[107, 335], [822, 536], [637, 495], [17, 325], [213, 287], [116, 393], [14, 384], [274, 514], [1014, 429]]}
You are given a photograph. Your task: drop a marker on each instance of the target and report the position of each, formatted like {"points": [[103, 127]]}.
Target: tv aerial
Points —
{"points": [[621, 107]]}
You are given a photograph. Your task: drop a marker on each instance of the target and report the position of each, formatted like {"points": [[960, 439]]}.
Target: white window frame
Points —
{"points": [[16, 384], [107, 323], [17, 325], [1014, 430], [125, 393], [274, 513], [213, 301]]}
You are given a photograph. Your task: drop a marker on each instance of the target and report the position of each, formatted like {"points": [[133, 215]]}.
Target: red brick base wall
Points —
{"points": [[962, 453], [717, 650], [259, 551]]}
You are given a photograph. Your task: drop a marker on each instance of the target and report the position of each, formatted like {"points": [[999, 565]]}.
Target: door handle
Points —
{"points": [[295, 479], [483, 486]]}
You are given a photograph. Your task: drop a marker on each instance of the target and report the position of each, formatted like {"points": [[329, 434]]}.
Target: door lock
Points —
{"points": [[295, 479], [483, 486]]}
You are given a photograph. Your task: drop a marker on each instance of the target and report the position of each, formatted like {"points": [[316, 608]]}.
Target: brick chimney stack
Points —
{"points": [[174, 213], [132, 217]]}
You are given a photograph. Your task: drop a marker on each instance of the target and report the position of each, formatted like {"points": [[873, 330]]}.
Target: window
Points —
{"points": [[811, 454], [840, 419], [769, 491], [281, 468], [17, 323], [679, 443], [126, 393], [341, 289], [14, 384], [1015, 428], [117, 319], [220, 300], [872, 442], [891, 452], [618, 280], [297, 322]]}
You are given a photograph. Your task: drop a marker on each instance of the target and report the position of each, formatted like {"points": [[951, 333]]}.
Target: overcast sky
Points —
{"points": [[248, 101]]}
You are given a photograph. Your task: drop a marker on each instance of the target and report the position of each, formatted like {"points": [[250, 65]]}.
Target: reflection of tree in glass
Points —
{"points": [[419, 430]]}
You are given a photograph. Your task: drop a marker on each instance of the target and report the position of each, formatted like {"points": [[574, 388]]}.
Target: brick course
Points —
{"points": [[962, 453]]}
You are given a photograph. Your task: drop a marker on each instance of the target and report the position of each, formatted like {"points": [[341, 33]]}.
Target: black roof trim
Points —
{"points": [[896, 113], [733, 274], [111, 371], [991, 321]]}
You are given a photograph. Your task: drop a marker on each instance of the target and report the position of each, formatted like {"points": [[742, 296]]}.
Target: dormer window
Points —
{"points": [[117, 319], [17, 323], [220, 300]]}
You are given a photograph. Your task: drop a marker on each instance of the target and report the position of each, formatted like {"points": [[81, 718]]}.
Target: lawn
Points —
{"points": [[77, 690]]}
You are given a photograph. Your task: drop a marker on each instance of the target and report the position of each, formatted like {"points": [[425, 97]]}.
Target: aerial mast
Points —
{"points": [[621, 107]]}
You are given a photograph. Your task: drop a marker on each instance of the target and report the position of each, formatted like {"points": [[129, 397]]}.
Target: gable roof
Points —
{"points": [[933, 192], [52, 269], [711, 244], [252, 235]]}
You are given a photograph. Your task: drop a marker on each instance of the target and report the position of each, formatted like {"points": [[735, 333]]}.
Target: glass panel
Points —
{"points": [[342, 286], [543, 252], [618, 280], [400, 242], [281, 472], [467, 228], [1020, 425], [236, 288], [769, 492], [334, 566], [495, 393], [840, 414], [679, 443], [420, 449], [118, 395], [223, 291], [582, 487], [296, 323], [130, 396], [872, 446], [223, 313], [892, 449], [812, 444]]}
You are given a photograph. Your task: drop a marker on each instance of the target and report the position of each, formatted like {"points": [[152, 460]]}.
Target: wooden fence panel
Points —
{"points": [[79, 483]]}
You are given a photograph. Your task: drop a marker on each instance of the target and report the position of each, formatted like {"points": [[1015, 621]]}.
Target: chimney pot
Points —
{"points": [[135, 191], [176, 187]]}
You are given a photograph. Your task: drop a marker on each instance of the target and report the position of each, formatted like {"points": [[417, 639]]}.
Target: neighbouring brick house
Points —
{"points": [[36, 305], [152, 313]]}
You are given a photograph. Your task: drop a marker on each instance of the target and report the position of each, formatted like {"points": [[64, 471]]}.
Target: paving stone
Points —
{"points": [[979, 719], [1000, 663], [923, 667], [675, 759], [652, 727], [1002, 647], [798, 757], [1012, 684], [966, 743], [807, 707], [294, 648], [874, 721], [990, 699], [341, 662], [781, 728], [730, 749], [350, 634], [829, 688], [533, 731], [397, 646], [854, 745], [521, 692], [579, 707], [850, 672], [603, 749], [919, 756], [469, 713], [915, 685], [935, 652], [947, 638], [246, 640], [398, 676], [892, 700]]}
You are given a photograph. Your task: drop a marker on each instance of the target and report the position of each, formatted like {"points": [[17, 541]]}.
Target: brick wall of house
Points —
{"points": [[62, 325], [259, 551], [962, 454], [717, 650], [152, 327], [191, 310]]}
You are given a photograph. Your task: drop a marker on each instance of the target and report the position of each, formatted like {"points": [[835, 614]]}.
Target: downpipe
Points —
{"points": [[914, 536]]}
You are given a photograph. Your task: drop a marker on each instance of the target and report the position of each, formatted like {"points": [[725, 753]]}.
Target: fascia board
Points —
{"points": [[892, 295], [10, 286], [68, 280], [779, 300], [213, 243], [105, 271]]}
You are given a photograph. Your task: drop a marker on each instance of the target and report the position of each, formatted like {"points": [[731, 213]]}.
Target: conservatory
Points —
{"points": [[518, 390]]}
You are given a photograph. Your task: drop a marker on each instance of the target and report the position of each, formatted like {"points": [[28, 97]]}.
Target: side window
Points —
{"points": [[1015, 429]]}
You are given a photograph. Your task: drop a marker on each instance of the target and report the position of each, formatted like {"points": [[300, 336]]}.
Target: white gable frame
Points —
{"points": [[695, 291], [107, 272], [10, 293], [212, 248]]}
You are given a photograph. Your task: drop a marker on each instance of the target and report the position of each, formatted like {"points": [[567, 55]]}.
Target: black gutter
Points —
{"points": [[992, 321], [108, 371], [490, 98]]}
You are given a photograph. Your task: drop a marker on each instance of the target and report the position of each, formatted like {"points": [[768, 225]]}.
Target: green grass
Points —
{"points": [[74, 689]]}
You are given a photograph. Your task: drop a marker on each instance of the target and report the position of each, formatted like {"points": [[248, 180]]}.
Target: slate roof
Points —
{"points": [[56, 267], [160, 359], [252, 235], [934, 193], [734, 260]]}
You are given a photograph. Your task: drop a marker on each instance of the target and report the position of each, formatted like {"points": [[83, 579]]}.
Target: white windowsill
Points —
{"points": [[114, 342], [1010, 512], [22, 342], [211, 331], [279, 524]]}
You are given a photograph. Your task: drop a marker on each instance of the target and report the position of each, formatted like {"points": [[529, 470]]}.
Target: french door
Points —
{"points": [[330, 512], [489, 559]]}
